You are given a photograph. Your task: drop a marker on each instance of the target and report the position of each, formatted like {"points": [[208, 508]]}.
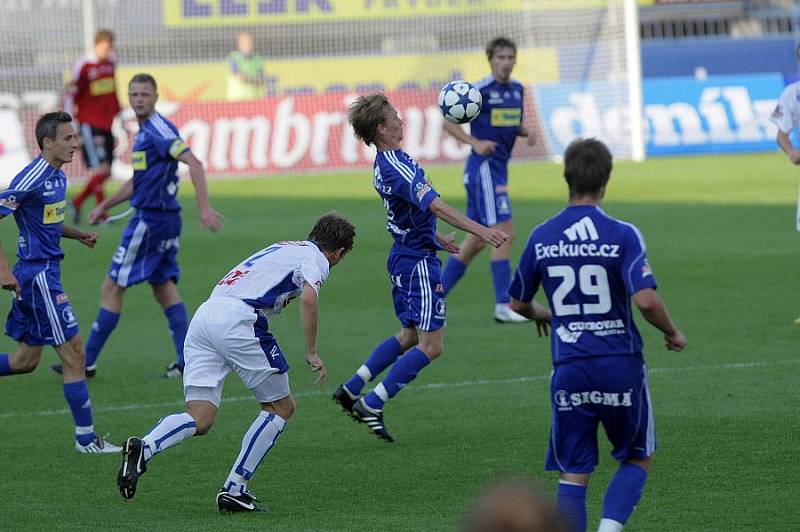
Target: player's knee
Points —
{"points": [[644, 463], [283, 407], [432, 350], [25, 365]]}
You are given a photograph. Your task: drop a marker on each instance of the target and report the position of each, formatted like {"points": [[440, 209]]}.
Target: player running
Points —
{"points": [[492, 137], [149, 247], [93, 92], [41, 313], [590, 265], [412, 207], [230, 332]]}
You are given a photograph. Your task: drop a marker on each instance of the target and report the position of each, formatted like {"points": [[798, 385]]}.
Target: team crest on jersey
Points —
{"points": [[421, 190], [54, 212]]}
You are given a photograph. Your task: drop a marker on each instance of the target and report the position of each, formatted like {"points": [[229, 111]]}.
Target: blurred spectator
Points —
{"points": [[513, 505], [91, 99], [246, 77]]}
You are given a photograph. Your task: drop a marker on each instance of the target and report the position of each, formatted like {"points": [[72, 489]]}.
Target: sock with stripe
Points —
{"points": [[178, 322], [571, 504], [5, 365], [403, 372], [501, 278], [103, 326], [381, 358], [256, 444], [77, 396], [453, 271], [623, 494], [169, 431]]}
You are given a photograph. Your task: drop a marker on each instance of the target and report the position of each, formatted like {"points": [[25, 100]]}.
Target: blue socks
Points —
{"points": [[624, 492], [402, 372], [178, 325], [571, 504], [5, 365], [453, 271], [381, 358], [77, 396], [101, 328], [501, 278]]}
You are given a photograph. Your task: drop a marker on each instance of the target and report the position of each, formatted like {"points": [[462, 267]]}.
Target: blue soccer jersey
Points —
{"points": [[407, 194], [156, 149], [36, 198], [501, 115], [589, 265]]}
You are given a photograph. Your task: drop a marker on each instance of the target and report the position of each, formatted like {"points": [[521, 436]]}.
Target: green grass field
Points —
{"points": [[721, 239]]}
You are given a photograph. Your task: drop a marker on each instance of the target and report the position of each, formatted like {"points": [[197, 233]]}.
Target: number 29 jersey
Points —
{"points": [[589, 265], [271, 278]]}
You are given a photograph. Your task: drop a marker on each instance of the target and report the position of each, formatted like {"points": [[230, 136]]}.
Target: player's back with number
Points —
{"points": [[589, 264]]}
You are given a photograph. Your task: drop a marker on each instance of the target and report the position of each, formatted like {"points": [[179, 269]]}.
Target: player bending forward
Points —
{"points": [[230, 332], [599, 374]]}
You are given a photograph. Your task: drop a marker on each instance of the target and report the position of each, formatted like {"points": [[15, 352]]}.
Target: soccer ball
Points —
{"points": [[460, 102]]}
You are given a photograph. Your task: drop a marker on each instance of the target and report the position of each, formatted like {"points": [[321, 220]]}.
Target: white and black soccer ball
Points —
{"points": [[460, 102]]}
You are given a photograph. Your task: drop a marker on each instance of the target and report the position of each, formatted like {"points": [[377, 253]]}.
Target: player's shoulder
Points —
{"points": [[396, 163], [625, 228], [32, 176], [516, 84], [159, 126], [484, 83]]}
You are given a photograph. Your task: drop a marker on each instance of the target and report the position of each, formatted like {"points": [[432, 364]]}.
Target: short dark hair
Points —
{"points": [[333, 231], [499, 42], [143, 78], [366, 114], [47, 126], [104, 35], [587, 167]]}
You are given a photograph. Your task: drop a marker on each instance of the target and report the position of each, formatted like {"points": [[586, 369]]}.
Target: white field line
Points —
{"points": [[422, 387]]}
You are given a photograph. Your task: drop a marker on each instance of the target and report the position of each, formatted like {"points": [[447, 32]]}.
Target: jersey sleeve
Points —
{"points": [[12, 198], [782, 115], [526, 278], [409, 182], [166, 142], [314, 272], [636, 271]]}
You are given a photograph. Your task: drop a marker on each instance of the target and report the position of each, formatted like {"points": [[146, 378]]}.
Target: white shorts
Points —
{"points": [[225, 335]]}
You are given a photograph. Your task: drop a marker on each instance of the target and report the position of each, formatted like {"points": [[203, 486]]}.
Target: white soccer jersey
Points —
{"points": [[269, 279], [787, 113]]}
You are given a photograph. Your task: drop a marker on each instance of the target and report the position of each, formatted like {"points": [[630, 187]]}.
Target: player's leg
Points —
{"points": [[24, 360], [92, 158], [384, 355], [500, 266], [457, 265], [630, 427], [76, 393], [170, 300]]}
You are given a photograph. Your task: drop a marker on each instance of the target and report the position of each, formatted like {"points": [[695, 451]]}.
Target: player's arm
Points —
{"points": [[481, 147], [655, 312], [309, 319], [208, 216], [535, 312], [123, 193], [455, 218], [7, 279], [788, 148], [87, 239]]}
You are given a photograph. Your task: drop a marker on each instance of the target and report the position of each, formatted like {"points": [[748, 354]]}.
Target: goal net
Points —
{"points": [[282, 108]]}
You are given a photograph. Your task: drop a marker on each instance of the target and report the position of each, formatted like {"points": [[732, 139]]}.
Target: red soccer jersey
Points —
{"points": [[93, 92]]}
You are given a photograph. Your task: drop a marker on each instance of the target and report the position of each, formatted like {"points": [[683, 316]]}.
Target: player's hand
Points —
{"points": [[448, 242], [484, 147], [494, 237], [542, 317], [211, 219], [530, 138], [675, 341], [795, 156], [89, 239], [97, 215], [9, 282], [318, 366]]}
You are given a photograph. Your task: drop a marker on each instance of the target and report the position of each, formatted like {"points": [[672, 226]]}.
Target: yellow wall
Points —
{"points": [[207, 81]]}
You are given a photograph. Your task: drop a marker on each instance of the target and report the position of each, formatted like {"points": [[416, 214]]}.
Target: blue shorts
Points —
{"points": [[42, 315], [611, 390], [417, 290], [149, 250], [486, 181]]}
